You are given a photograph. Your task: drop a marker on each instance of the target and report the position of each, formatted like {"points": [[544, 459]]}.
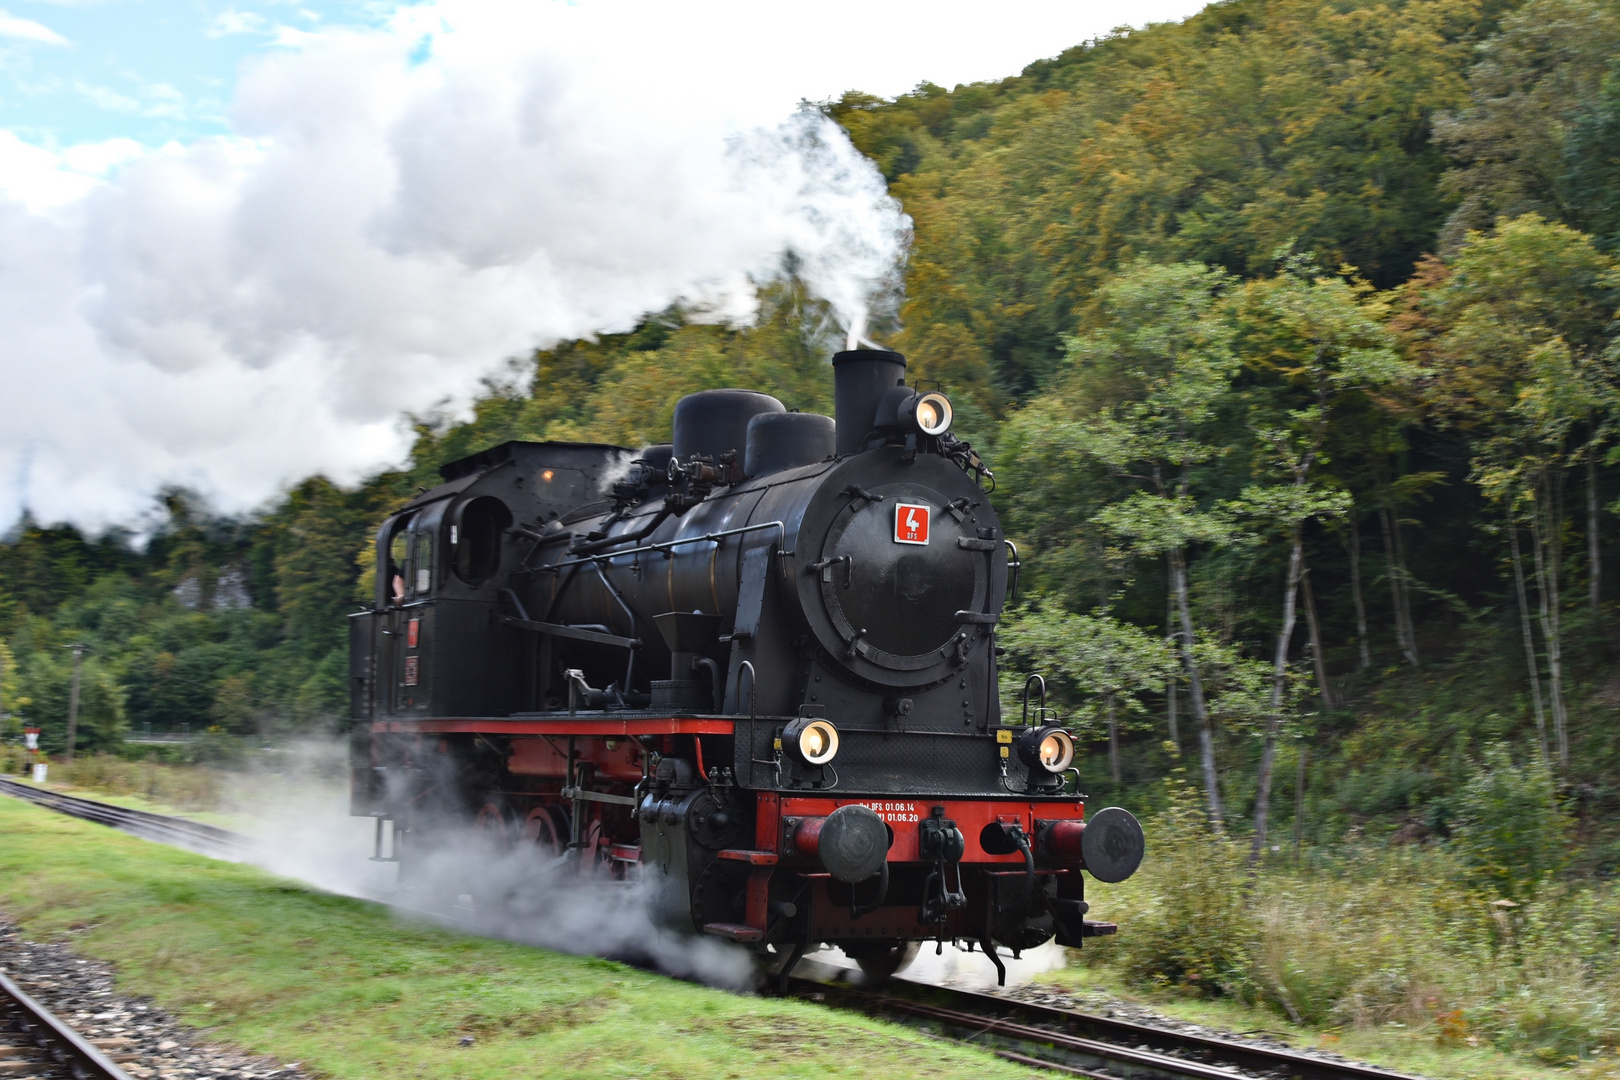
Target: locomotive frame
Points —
{"points": [[754, 668]]}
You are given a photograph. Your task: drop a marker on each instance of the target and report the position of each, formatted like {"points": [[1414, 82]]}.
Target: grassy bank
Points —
{"points": [[342, 986], [1433, 959], [184, 788]]}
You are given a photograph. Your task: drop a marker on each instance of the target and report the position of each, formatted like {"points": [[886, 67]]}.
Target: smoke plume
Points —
{"points": [[398, 211]]}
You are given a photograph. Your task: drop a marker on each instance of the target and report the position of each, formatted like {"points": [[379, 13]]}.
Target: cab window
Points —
{"points": [[395, 579], [422, 584]]}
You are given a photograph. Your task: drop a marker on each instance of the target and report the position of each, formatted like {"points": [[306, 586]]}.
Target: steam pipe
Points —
{"points": [[714, 679], [663, 548], [587, 547]]}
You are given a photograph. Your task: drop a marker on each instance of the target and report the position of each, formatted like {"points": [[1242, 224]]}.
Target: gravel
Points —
{"points": [[80, 992]]}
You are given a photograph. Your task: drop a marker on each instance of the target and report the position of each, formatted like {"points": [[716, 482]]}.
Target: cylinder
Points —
{"points": [[778, 441], [860, 376], [715, 422]]}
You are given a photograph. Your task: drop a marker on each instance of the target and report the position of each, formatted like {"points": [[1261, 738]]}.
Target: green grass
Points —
{"points": [[275, 967], [1415, 1050]]}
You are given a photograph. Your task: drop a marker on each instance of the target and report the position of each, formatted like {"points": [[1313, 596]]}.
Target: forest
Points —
{"points": [[1289, 331]]}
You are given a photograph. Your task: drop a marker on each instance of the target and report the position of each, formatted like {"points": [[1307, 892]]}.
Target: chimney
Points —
{"points": [[860, 376]]}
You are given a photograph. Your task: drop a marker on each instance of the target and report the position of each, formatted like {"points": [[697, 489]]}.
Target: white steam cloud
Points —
{"points": [[400, 210], [298, 807]]}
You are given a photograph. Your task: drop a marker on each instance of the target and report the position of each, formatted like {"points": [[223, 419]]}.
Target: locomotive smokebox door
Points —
{"points": [[905, 575]]}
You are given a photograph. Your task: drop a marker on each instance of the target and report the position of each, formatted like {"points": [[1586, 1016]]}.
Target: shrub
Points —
{"points": [[185, 787], [1195, 931], [1511, 832]]}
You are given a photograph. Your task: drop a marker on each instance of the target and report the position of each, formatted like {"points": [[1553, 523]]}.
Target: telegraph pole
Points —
{"points": [[73, 697]]}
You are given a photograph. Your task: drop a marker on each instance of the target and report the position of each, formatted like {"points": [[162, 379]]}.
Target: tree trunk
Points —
{"points": [[1113, 738], [1396, 567], [1195, 690], [1594, 546], [1299, 801], [1529, 636], [1170, 689], [1355, 592], [1406, 588], [73, 701], [1544, 523], [1314, 627], [1279, 680]]}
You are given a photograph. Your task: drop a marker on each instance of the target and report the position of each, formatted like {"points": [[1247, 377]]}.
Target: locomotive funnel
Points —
{"points": [[860, 376]]}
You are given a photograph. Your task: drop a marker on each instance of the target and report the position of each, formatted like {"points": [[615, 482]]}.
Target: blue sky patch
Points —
{"points": [[150, 70]]}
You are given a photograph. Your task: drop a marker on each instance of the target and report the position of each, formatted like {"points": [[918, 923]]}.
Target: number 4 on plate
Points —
{"points": [[910, 523]]}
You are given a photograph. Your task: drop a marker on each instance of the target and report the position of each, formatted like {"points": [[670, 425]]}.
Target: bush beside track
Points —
{"points": [[348, 989]]}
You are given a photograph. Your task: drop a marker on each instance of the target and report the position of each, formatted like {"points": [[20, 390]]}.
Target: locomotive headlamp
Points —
{"points": [[815, 742], [928, 413], [1048, 748]]}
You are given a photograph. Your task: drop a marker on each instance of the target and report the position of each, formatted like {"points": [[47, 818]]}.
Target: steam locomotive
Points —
{"points": [[755, 668]]}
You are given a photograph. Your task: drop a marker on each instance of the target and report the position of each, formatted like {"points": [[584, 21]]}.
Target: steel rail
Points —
{"points": [[180, 832], [1079, 1043], [66, 1047]]}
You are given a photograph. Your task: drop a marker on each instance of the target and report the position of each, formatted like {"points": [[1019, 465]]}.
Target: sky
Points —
{"points": [[240, 241]]}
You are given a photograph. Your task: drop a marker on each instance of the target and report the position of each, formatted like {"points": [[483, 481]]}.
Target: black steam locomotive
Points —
{"points": [[756, 668]]}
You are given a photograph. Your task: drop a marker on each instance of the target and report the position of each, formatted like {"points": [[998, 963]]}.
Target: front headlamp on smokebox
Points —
{"points": [[929, 413], [1047, 748], [812, 740]]}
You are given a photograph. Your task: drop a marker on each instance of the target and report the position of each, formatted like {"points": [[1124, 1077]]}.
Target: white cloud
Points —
{"points": [[239, 312], [231, 21], [39, 179], [19, 29]]}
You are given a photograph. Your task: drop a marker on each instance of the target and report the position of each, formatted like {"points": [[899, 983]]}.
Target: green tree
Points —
{"points": [[1517, 343], [1317, 335], [1162, 338], [314, 548], [1104, 666], [1532, 84], [1591, 178]]}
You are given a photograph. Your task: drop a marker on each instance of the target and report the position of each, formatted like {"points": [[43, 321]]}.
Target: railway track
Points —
{"points": [[34, 1042], [1077, 1043], [1059, 1040], [193, 835]]}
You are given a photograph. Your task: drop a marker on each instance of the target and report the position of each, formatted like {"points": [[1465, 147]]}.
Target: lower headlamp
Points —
{"points": [[812, 741], [1049, 748]]}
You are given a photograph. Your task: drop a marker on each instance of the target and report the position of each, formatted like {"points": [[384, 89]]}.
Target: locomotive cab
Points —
{"points": [[428, 646]]}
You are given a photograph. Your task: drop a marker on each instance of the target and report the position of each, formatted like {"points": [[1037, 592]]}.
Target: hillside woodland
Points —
{"points": [[1290, 333]]}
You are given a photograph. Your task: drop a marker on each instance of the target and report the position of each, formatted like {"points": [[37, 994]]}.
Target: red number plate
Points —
{"points": [[412, 630], [911, 523]]}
